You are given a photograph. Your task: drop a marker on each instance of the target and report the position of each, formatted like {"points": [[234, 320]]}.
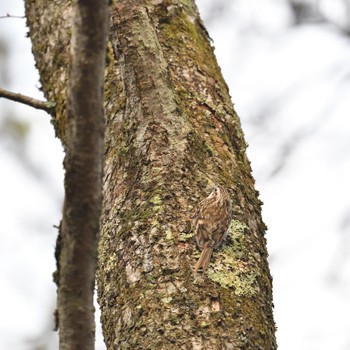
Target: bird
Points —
{"points": [[211, 223]]}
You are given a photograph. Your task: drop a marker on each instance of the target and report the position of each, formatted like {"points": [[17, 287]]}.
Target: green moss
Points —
{"points": [[109, 54], [169, 235], [122, 151], [174, 31], [110, 263], [156, 200], [186, 2], [183, 237]]}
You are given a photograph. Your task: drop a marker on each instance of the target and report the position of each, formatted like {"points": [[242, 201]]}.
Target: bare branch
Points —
{"points": [[29, 101], [11, 16]]}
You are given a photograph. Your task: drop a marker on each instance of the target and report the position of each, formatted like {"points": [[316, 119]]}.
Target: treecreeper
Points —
{"points": [[211, 223]]}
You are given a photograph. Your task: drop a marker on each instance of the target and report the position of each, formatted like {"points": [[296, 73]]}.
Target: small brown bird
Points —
{"points": [[211, 223]]}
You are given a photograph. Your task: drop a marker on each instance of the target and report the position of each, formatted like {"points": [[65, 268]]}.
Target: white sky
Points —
{"points": [[290, 86]]}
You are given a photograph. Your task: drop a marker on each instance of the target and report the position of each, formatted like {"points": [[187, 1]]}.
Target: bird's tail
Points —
{"points": [[204, 259]]}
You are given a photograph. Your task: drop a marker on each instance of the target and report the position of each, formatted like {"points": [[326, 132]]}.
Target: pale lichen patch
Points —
{"points": [[132, 275], [234, 267], [196, 344]]}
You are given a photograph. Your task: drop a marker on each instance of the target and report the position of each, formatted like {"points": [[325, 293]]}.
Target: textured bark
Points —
{"points": [[171, 132]]}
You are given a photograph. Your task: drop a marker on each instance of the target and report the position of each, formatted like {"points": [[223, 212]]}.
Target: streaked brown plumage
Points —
{"points": [[211, 223]]}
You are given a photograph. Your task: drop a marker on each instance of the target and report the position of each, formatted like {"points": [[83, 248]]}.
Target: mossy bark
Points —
{"points": [[171, 132]]}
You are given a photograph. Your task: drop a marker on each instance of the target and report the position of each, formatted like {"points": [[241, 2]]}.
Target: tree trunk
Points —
{"points": [[171, 134]]}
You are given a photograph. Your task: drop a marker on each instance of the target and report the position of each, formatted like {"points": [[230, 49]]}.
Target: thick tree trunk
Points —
{"points": [[171, 133]]}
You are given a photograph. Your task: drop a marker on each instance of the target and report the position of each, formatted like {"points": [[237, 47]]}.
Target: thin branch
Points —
{"points": [[29, 101], [11, 16]]}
